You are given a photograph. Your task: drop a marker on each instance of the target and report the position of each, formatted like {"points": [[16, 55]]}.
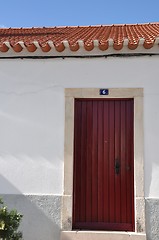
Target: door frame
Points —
{"points": [[67, 199]]}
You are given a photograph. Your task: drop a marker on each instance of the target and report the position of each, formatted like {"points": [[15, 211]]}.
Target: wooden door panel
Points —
{"points": [[111, 140], [106, 130], [103, 196]]}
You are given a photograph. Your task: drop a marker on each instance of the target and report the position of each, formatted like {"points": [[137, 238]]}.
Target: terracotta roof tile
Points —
{"points": [[74, 38]]}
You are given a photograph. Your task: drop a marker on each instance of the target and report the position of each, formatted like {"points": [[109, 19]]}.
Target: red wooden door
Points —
{"points": [[103, 196]]}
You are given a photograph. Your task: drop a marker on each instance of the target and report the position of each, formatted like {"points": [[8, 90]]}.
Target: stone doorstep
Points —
{"points": [[94, 235]]}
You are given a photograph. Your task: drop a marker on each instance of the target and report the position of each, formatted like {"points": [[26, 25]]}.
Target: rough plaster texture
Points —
{"points": [[140, 215], [41, 215], [32, 116], [32, 111], [152, 219]]}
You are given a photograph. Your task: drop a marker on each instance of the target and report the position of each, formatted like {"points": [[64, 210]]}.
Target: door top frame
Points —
{"points": [[94, 93]]}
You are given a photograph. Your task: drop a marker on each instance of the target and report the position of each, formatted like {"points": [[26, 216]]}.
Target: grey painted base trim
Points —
{"points": [[41, 215], [152, 218]]}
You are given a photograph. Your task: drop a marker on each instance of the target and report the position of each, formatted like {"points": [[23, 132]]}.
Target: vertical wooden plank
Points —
{"points": [[111, 161], [128, 162], [100, 175], [94, 165], [89, 163], [117, 162], [132, 163], [83, 161], [106, 161], [123, 163], [77, 162]]}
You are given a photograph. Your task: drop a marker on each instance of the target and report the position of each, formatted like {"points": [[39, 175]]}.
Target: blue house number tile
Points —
{"points": [[104, 91]]}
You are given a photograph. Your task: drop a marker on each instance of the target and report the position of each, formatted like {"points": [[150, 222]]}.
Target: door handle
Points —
{"points": [[117, 167]]}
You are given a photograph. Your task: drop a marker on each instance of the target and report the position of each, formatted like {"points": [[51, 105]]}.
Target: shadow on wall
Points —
{"points": [[41, 213]]}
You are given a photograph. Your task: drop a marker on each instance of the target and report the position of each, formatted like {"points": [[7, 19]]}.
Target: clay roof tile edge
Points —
{"points": [[7, 43], [66, 43], [21, 43], [36, 43], [51, 44]]}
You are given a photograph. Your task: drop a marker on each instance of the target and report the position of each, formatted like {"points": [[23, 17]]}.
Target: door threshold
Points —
{"points": [[101, 235]]}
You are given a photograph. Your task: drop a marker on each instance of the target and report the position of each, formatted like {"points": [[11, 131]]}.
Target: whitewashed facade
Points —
{"points": [[32, 134]]}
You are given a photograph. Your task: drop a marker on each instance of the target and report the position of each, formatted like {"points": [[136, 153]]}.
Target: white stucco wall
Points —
{"points": [[32, 116]]}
